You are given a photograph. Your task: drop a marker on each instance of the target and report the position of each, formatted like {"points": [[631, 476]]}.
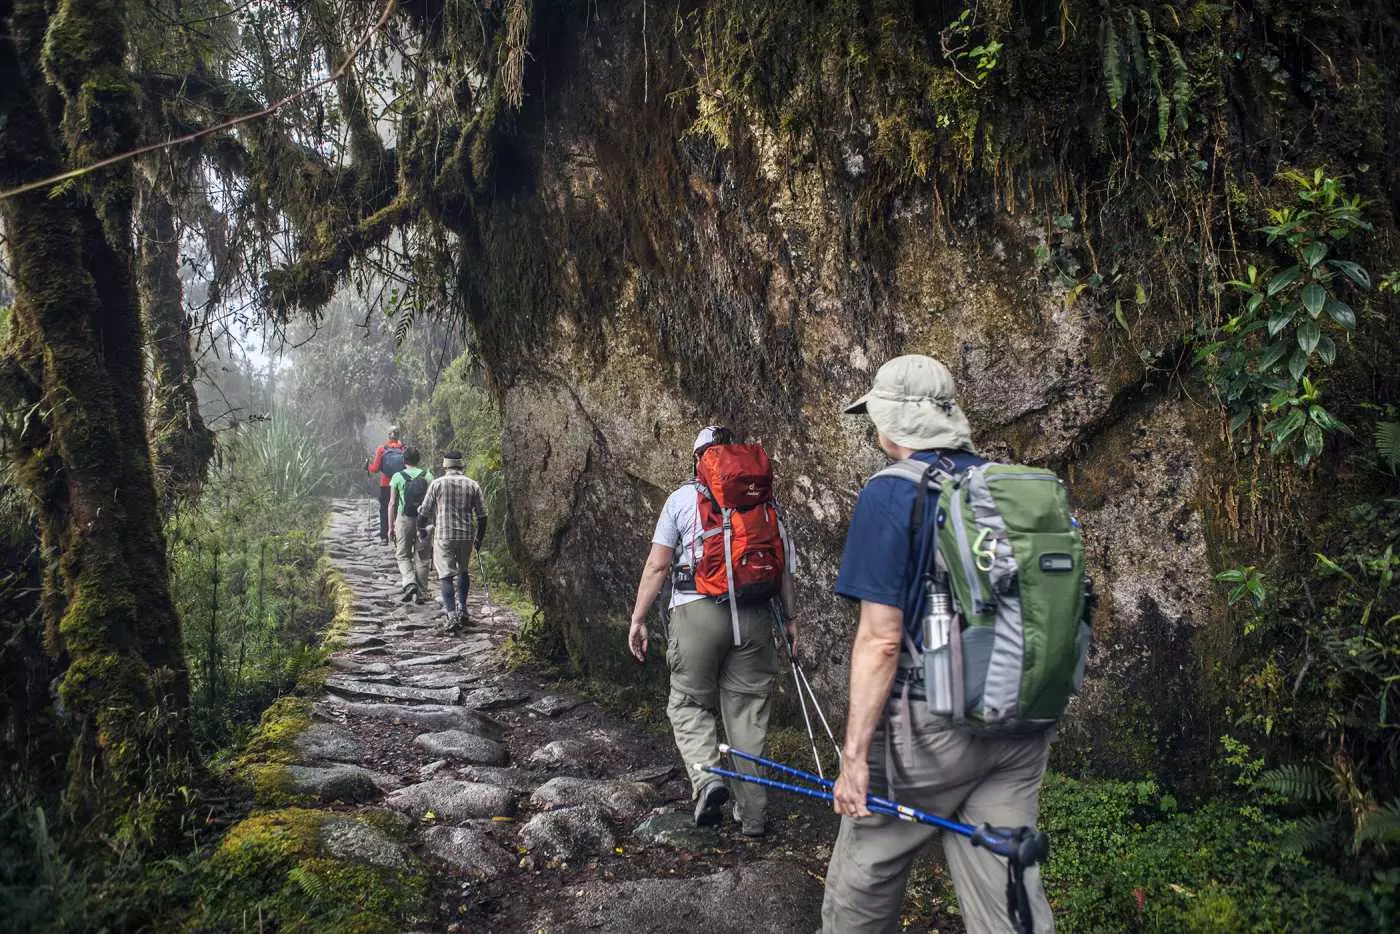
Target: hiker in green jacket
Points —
{"points": [[413, 547]]}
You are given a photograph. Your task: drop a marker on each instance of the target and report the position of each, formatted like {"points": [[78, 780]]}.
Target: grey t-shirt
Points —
{"points": [[678, 528]]}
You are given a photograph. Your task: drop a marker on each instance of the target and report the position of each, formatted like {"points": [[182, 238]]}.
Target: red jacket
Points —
{"points": [[379, 456]]}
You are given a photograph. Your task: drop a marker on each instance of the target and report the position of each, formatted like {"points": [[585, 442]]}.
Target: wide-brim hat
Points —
{"points": [[912, 403]]}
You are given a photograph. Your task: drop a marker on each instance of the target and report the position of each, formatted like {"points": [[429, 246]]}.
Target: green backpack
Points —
{"points": [[1006, 631]]}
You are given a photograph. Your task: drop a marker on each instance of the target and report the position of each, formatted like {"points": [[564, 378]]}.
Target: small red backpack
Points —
{"points": [[736, 504]]}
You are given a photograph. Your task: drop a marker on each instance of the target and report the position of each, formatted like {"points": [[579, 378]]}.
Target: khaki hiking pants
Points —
{"points": [[709, 676], [452, 558], [412, 556], [973, 780]]}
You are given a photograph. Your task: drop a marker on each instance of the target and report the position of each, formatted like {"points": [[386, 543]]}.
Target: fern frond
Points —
{"points": [[1139, 40], [1180, 83], [1308, 833], [1388, 443], [1309, 783], [1381, 826], [1112, 64]]}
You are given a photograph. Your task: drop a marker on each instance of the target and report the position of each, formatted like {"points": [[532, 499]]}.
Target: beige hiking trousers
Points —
{"points": [[709, 676], [412, 556], [973, 780]]}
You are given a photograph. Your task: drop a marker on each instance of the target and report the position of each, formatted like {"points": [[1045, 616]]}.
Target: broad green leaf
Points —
{"points": [[1352, 271], [1298, 364], [1309, 334], [1255, 301], [1312, 437], [1272, 354], [1327, 350], [1325, 419], [1341, 313], [1119, 316], [1141, 295], [1283, 428], [1284, 279], [1239, 420], [1314, 253], [1280, 318], [1314, 297]]}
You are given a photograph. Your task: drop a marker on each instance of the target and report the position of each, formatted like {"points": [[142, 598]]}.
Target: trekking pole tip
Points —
{"points": [[724, 749]]}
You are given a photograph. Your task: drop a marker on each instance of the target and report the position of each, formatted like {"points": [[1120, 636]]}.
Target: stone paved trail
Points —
{"points": [[535, 811]]}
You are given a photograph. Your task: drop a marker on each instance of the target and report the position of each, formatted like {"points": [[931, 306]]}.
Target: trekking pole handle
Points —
{"points": [[1023, 845]]}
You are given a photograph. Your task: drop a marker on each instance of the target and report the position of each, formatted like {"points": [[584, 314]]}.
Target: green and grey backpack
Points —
{"points": [[1006, 626]]}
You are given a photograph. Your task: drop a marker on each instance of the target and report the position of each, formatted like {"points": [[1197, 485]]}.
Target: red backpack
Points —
{"points": [[736, 502]]}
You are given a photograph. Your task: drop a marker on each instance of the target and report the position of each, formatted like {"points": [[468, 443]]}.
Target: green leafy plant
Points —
{"points": [[1248, 581], [1264, 359], [972, 60]]}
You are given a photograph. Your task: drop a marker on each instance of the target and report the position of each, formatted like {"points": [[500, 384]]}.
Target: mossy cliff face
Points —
{"points": [[739, 214]]}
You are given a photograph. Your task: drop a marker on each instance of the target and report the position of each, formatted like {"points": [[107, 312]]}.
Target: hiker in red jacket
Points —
{"points": [[722, 658], [388, 460]]}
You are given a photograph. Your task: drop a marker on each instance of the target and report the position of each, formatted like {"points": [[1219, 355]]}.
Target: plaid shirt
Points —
{"points": [[453, 501]]}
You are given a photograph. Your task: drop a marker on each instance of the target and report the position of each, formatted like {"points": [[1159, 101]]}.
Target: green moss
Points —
{"points": [[278, 728], [271, 867]]}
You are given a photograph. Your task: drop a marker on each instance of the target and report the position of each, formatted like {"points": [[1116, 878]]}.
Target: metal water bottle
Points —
{"points": [[938, 669]]}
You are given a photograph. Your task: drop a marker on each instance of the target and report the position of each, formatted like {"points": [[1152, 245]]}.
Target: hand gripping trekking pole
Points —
{"points": [[1021, 847]]}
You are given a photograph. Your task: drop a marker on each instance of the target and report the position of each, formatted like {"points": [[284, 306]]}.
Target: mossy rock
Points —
{"points": [[274, 866], [277, 731]]}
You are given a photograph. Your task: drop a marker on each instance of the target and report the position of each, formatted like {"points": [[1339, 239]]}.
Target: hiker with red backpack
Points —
{"points": [[387, 461], [721, 539], [973, 632], [412, 544]]}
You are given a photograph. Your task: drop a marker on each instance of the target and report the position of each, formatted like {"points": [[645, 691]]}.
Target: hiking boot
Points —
{"points": [[754, 830], [410, 594], [709, 808], [418, 598]]}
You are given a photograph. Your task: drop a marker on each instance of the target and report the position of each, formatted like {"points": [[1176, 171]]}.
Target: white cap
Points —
{"points": [[710, 434]]}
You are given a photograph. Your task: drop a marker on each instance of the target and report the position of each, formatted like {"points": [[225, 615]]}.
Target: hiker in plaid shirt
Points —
{"points": [[453, 501]]}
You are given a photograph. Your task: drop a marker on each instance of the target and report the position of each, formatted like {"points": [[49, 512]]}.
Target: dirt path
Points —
{"points": [[535, 810]]}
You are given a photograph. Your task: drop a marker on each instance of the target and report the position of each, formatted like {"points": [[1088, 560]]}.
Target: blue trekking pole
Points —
{"points": [[1020, 846]]}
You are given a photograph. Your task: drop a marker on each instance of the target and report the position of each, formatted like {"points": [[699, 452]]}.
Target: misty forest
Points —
{"points": [[243, 242]]}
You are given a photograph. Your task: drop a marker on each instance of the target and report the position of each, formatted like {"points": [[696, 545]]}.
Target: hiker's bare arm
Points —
{"points": [[653, 577], [789, 597], [393, 508], [873, 662]]}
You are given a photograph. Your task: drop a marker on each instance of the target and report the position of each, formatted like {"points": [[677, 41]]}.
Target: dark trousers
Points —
{"points": [[383, 513], [454, 592]]}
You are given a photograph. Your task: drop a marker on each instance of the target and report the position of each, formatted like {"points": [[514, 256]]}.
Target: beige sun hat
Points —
{"points": [[911, 402]]}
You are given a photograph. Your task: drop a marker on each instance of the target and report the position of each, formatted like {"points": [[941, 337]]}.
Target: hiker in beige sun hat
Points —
{"points": [[911, 403]]}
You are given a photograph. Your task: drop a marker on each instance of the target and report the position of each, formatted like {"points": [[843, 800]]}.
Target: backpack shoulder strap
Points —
{"points": [[908, 469]]}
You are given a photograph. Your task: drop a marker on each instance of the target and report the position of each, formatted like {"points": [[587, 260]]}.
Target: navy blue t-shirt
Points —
{"points": [[877, 564]]}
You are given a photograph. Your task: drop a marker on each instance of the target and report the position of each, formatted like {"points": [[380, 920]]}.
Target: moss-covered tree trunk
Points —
{"points": [[77, 351], [181, 442]]}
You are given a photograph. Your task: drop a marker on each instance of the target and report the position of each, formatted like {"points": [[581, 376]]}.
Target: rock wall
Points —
{"points": [[648, 281]]}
